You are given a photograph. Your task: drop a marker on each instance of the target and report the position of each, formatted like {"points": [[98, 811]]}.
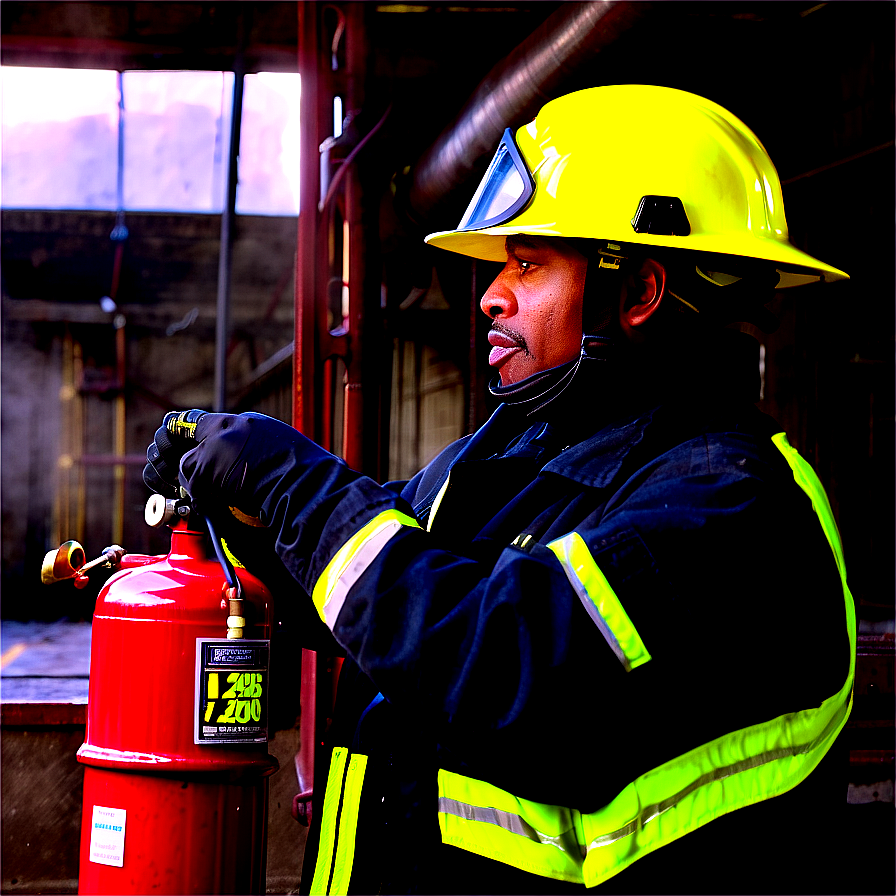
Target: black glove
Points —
{"points": [[228, 464], [173, 439], [227, 461], [238, 460]]}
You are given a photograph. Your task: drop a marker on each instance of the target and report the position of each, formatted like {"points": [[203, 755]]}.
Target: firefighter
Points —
{"points": [[606, 640]]}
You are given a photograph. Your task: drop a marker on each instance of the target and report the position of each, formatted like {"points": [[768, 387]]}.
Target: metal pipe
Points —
{"points": [[310, 241], [119, 438], [511, 94], [225, 258], [79, 439], [358, 435]]}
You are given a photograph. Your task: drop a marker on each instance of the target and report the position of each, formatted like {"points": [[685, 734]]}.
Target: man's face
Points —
{"points": [[535, 305]]}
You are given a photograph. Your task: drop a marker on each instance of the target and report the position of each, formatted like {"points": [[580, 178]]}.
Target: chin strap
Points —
{"points": [[543, 387]]}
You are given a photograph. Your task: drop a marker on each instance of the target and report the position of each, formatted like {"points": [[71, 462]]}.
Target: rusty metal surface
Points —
{"points": [[512, 93]]}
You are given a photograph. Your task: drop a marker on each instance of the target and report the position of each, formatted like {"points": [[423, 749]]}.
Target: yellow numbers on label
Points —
{"points": [[243, 698], [244, 684]]}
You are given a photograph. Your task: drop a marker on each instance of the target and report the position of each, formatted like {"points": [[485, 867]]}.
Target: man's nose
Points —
{"points": [[498, 301]]}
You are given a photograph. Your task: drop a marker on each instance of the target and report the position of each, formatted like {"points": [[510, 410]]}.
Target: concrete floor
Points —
{"points": [[44, 661]]}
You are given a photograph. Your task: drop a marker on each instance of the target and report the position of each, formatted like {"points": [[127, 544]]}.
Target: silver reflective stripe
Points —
{"points": [[361, 559], [596, 618], [511, 822], [600, 601], [352, 559], [649, 813]]}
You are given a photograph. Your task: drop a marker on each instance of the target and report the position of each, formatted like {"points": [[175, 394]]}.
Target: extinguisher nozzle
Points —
{"points": [[63, 563]]}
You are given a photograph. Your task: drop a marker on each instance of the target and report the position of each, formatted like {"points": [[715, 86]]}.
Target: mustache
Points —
{"points": [[518, 338]]}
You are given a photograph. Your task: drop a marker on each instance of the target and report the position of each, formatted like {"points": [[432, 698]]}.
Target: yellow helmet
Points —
{"points": [[636, 164]]}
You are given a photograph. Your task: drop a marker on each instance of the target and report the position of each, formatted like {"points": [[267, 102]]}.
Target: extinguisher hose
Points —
{"points": [[224, 560]]}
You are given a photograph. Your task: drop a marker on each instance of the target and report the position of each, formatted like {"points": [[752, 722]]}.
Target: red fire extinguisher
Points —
{"points": [[175, 755]]}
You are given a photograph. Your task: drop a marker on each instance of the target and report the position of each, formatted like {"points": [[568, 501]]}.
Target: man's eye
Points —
{"points": [[525, 265]]}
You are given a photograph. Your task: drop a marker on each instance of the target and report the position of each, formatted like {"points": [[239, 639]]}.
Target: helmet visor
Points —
{"points": [[505, 190]]}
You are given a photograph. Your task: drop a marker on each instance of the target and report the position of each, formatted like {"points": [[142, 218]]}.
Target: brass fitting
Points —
{"points": [[236, 621]]}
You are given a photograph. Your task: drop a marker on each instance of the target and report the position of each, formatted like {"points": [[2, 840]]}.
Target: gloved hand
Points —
{"points": [[257, 470], [228, 460], [173, 439], [230, 464]]}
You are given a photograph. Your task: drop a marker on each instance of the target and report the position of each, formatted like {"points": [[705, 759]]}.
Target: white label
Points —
{"points": [[107, 836]]}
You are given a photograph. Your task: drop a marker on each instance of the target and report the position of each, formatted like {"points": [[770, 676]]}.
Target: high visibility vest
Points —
{"points": [[735, 770]]}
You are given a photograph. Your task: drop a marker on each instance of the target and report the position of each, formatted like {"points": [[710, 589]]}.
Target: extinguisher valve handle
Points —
{"points": [[159, 510]]}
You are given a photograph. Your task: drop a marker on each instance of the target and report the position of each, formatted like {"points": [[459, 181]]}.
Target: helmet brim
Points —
{"points": [[796, 267]]}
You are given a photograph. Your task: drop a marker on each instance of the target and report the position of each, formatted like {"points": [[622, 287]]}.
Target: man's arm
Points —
{"points": [[495, 656]]}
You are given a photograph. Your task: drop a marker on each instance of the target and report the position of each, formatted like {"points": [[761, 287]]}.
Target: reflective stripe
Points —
{"points": [[435, 504], [600, 600], [231, 556], [351, 560], [733, 771], [806, 479], [328, 822], [348, 824], [345, 788], [490, 822], [690, 791]]}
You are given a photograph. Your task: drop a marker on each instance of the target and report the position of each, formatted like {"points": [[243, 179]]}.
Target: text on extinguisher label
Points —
{"points": [[107, 836], [231, 692]]}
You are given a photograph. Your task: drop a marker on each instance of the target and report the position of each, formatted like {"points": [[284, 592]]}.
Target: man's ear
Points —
{"points": [[642, 296]]}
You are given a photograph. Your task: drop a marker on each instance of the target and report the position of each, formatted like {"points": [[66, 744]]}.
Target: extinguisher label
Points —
{"points": [[107, 836], [231, 692]]}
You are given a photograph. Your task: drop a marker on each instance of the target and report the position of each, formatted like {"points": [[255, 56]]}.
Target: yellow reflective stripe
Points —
{"points": [[231, 556], [348, 824], [485, 820], [712, 780], [654, 810], [733, 771], [435, 504], [600, 600], [328, 822], [806, 478], [352, 559], [808, 481], [677, 797]]}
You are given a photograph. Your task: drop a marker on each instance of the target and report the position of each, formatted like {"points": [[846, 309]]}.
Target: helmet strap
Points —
{"points": [[537, 391]]}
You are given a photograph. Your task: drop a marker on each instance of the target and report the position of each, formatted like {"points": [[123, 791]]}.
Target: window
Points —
{"points": [[176, 138], [269, 145], [60, 140]]}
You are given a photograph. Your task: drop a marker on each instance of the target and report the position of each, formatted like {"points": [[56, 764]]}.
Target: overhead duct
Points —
{"points": [[511, 94]]}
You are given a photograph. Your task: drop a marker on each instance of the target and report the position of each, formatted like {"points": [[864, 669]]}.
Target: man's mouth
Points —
{"points": [[505, 343]]}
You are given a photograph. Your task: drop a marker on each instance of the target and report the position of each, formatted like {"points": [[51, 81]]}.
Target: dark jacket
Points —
{"points": [[469, 650], [490, 667]]}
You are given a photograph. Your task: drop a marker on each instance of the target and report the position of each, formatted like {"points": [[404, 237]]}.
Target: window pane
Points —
{"points": [[269, 145], [177, 132], [60, 138]]}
